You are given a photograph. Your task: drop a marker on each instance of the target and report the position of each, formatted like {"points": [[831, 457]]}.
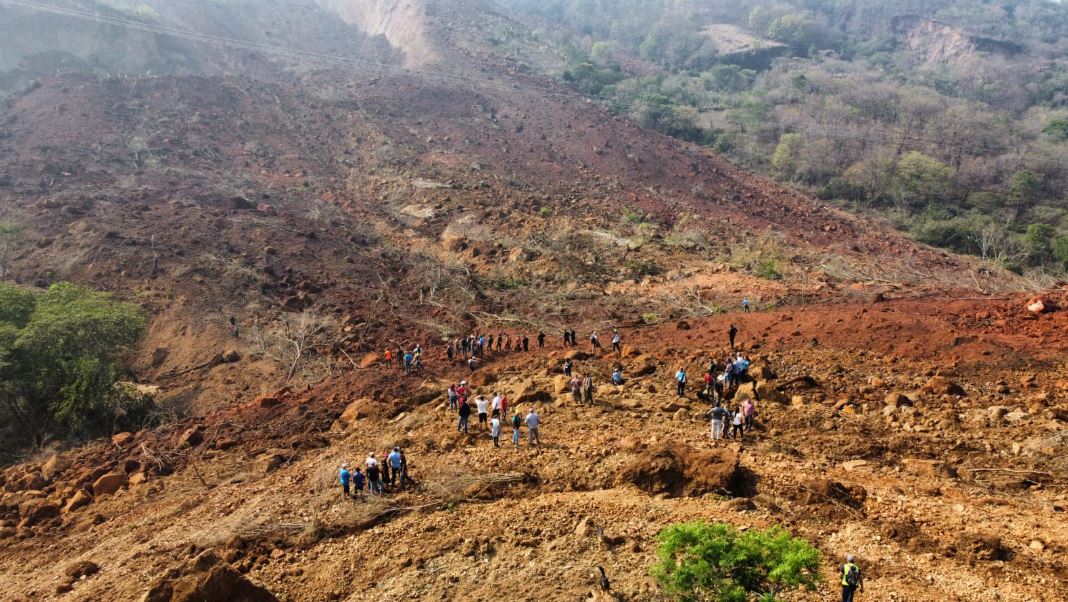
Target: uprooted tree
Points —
{"points": [[702, 562], [291, 340], [61, 362]]}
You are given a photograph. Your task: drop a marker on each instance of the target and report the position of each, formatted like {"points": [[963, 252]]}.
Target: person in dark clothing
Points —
{"points": [[567, 367], [851, 579], [574, 338], [541, 340], [732, 332], [526, 343], [465, 414], [567, 338]]}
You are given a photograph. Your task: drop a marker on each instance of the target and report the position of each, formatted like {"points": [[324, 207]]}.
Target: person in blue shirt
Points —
{"points": [[745, 305], [617, 377], [357, 482], [680, 380], [394, 460], [408, 363], [344, 477]]}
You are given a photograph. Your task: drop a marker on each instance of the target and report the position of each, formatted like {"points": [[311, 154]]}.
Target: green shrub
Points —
{"points": [[1060, 251], [714, 562], [768, 268], [650, 318]]}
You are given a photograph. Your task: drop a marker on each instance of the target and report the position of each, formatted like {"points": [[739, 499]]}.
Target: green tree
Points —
{"points": [[1038, 242], [1057, 129], [787, 156], [1023, 189], [1060, 251], [61, 355], [922, 180], [714, 562]]}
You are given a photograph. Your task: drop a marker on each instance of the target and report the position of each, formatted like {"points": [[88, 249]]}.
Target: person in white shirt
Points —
{"points": [[496, 405], [495, 431], [532, 427], [482, 405], [371, 461]]}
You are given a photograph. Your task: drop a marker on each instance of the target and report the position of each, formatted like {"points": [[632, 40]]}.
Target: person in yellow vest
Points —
{"points": [[851, 579]]}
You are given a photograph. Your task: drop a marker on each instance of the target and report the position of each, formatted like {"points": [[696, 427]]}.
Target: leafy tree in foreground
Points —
{"points": [[60, 361], [702, 562]]}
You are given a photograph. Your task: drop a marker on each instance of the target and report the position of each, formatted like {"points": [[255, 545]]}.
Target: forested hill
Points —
{"points": [[949, 118]]}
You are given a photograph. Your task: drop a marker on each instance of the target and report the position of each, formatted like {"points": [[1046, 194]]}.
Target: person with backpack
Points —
{"points": [[617, 343], [587, 389], [495, 431], [732, 333], [851, 579], [517, 423], [680, 381], [344, 476], [595, 342], [745, 305], [465, 414], [719, 415]]}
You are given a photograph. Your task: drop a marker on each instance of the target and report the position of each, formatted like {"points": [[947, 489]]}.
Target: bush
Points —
{"points": [[1060, 251], [714, 562], [768, 269], [61, 360]]}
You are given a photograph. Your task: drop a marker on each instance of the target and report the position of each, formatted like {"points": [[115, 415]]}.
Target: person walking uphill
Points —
{"points": [[851, 579]]}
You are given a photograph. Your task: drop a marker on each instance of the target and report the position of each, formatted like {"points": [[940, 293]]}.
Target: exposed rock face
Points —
{"points": [[402, 22], [204, 578]]}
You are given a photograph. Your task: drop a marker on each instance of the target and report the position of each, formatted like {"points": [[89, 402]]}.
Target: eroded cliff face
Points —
{"points": [[939, 43], [403, 23]]}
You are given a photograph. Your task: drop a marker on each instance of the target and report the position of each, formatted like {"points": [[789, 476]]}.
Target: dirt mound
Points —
{"points": [[206, 578], [680, 470]]}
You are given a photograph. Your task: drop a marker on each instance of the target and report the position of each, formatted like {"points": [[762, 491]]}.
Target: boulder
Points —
{"points": [[122, 439], [981, 547], [231, 356], [357, 410], [267, 401], [630, 351], [576, 355], [680, 470], [53, 466], [643, 365], [529, 392], [37, 511], [269, 462], [371, 359], [203, 578], [79, 500], [191, 437], [767, 392], [561, 383], [482, 378], [31, 481], [745, 391], [897, 400], [109, 484], [940, 385], [85, 568], [819, 492], [762, 372]]}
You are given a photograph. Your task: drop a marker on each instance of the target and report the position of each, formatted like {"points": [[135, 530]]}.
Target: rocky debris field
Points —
{"points": [[938, 465]]}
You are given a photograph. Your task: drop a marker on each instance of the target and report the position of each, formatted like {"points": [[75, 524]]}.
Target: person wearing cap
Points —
{"points": [[851, 579], [344, 476]]}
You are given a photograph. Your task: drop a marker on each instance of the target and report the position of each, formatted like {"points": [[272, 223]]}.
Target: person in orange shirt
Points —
{"points": [[389, 358]]}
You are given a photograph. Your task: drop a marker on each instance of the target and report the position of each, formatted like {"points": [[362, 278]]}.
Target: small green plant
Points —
{"points": [[545, 212], [635, 217], [650, 317], [768, 268], [716, 563]]}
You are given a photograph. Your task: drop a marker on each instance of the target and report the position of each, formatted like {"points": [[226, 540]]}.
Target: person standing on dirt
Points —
{"points": [[449, 352], [385, 467], [851, 579], [232, 327], [465, 414], [587, 389], [533, 421], [374, 480], [749, 411], [517, 423], [595, 342], [617, 343], [567, 367], [576, 389], [495, 431], [745, 305], [732, 333], [495, 405], [500, 338], [541, 340], [453, 397], [737, 423], [504, 406], [389, 359], [408, 357], [482, 405], [508, 343], [526, 344], [680, 381], [344, 477], [709, 389], [617, 376], [394, 459], [719, 422], [404, 480], [357, 483], [567, 337]]}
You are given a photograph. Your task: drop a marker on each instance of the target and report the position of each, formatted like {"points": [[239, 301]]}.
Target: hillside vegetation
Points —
{"points": [[947, 118]]}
